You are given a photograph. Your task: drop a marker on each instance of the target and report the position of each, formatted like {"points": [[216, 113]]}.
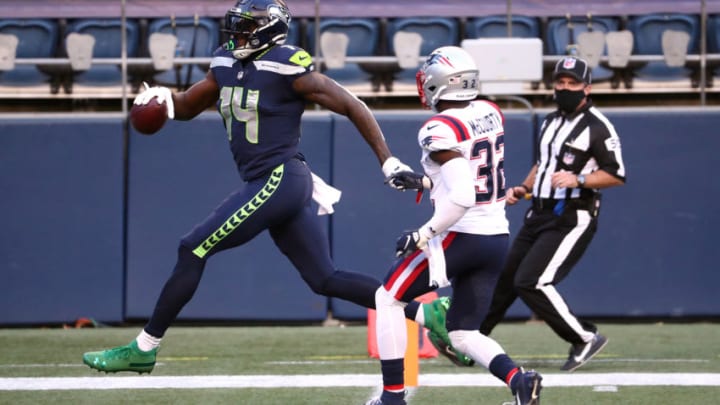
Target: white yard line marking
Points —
{"points": [[348, 380], [582, 379]]}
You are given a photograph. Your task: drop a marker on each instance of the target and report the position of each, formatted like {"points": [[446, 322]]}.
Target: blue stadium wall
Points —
{"points": [[92, 218]]}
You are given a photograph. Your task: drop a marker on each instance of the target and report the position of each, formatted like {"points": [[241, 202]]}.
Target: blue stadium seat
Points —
{"points": [[558, 38], [713, 46], [205, 37], [494, 26], [108, 44], [363, 41], [648, 30], [435, 32], [37, 38], [713, 38]]}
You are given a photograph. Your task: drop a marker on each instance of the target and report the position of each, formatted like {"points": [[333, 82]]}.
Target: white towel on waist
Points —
{"points": [[325, 195], [436, 262]]}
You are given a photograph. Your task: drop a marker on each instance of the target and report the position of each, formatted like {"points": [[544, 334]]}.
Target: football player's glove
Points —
{"points": [[411, 241], [163, 94], [409, 181], [393, 166]]}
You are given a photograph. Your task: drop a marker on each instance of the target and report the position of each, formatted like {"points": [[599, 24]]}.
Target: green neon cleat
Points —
{"points": [[434, 313], [435, 321], [122, 358]]}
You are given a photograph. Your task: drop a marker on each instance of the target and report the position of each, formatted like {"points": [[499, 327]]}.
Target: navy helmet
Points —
{"points": [[262, 23]]}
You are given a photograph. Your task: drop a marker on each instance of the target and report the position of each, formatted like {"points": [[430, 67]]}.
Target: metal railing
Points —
{"points": [[702, 62]]}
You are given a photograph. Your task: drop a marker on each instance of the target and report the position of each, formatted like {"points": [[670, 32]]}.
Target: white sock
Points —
{"points": [[390, 329], [147, 342], [420, 315], [477, 346]]}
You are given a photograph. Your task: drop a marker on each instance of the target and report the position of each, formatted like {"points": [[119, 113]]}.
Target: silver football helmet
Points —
{"points": [[449, 73]]}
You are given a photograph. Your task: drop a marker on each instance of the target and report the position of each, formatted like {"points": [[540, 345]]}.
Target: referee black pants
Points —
{"points": [[543, 253]]}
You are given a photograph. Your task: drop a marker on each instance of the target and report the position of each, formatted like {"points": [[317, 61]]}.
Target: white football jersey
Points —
{"points": [[477, 132]]}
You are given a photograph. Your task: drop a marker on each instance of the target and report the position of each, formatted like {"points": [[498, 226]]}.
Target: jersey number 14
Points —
{"points": [[231, 101]]}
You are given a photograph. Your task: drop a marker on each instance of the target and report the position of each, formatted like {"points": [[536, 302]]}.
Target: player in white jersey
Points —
{"points": [[465, 240], [475, 131]]}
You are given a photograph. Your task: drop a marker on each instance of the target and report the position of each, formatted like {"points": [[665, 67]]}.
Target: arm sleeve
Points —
{"points": [[461, 196]]}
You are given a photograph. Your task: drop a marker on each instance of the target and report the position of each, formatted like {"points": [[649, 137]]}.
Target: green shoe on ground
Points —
{"points": [[435, 321], [122, 358]]}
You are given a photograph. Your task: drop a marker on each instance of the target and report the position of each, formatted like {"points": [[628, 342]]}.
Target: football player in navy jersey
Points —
{"points": [[260, 88]]}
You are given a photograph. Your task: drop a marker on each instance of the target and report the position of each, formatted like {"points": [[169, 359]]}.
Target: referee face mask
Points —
{"points": [[569, 100]]}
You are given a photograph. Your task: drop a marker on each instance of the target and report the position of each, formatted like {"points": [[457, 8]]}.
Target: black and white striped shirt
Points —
{"points": [[581, 143]]}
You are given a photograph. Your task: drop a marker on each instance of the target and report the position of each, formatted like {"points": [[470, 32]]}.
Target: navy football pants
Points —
{"points": [[281, 203], [473, 263]]}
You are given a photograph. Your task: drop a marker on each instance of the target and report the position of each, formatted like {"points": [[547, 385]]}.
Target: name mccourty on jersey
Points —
{"points": [[488, 123]]}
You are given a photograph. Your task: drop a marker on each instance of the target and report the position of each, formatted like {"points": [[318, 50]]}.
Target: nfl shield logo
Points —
{"points": [[568, 158], [569, 63]]}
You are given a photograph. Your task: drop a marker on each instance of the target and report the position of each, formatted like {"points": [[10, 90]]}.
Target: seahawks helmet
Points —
{"points": [[262, 23], [449, 73]]}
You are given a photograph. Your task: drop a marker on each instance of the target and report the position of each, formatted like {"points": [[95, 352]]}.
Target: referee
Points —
{"points": [[579, 154]]}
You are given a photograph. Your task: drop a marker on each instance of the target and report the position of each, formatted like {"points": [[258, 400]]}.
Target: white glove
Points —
{"points": [[392, 166], [163, 94]]}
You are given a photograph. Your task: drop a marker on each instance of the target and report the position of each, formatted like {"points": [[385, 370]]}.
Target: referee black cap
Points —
{"points": [[573, 67]]}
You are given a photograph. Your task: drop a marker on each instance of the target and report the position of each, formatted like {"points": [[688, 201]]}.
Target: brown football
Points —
{"points": [[148, 118]]}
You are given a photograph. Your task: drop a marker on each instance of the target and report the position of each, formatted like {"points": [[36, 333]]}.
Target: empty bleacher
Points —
{"points": [[521, 26], [374, 48], [197, 37], [26, 38], [713, 47], [566, 35], [105, 36], [657, 34], [340, 38], [433, 32]]}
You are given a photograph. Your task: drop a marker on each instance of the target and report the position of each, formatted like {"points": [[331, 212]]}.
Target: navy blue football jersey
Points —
{"points": [[260, 110]]}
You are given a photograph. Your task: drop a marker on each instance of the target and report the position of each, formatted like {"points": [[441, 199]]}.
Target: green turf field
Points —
{"points": [[642, 364]]}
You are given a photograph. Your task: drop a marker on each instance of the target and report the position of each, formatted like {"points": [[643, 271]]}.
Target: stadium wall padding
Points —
{"points": [[66, 252], [61, 197]]}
